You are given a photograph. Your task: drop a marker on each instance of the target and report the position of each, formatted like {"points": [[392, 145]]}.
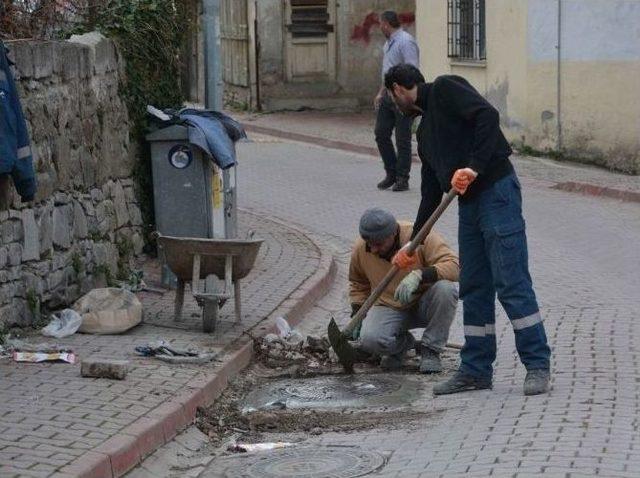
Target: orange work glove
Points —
{"points": [[462, 178], [403, 260]]}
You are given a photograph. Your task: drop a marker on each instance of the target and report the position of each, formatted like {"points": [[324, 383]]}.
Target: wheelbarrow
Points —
{"points": [[194, 259]]}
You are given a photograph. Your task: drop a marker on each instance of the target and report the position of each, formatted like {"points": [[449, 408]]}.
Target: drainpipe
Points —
{"points": [[212, 63], [559, 78]]}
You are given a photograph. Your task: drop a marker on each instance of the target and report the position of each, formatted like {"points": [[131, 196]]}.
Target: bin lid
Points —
{"points": [[174, 132]]}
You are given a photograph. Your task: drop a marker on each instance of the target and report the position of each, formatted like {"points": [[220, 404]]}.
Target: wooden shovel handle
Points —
{"points": [[420, 237]]}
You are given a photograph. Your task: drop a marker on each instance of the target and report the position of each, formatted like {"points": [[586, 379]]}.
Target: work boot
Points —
{"points": [[394, 362], [536, 382], [402, 184], [387, 182], [430, 361], [462, 382], [391, 363]]}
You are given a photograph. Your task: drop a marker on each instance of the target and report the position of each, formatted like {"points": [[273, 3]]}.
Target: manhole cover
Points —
{"points": [[335, 391], [302, 463]]}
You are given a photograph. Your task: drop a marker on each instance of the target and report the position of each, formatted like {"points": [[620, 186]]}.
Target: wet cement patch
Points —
{"points": [[335, 391]]}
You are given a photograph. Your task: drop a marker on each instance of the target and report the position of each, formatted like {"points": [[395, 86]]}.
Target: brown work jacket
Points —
{"points": [[366, 270]]}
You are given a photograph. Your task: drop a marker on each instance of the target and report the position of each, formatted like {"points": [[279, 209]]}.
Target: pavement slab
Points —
{"points": [[55, 421], [354, 132], [585, 265]]}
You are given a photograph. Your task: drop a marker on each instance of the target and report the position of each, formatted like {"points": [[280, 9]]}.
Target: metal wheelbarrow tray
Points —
{"points": [[193, 259]]}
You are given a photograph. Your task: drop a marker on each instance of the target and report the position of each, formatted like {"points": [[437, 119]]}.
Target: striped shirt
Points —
{"points": [[399, 48]]}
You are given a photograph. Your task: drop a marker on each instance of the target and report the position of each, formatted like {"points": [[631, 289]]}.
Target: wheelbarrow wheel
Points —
{"points": [[209, 316]]}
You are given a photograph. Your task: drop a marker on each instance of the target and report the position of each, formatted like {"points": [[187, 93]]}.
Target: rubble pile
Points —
{"points": [[312, 353]]}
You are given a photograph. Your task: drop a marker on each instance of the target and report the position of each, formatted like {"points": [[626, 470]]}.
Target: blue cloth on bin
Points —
{"points": [[15, 148], [214, 133]]}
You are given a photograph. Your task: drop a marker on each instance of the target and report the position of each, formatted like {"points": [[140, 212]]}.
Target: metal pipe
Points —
{"points": [[559, 78], [212, 59]]}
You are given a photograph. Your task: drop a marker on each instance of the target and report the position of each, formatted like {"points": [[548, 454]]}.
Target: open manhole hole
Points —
{"points": [[335, 391], [305, 462]]}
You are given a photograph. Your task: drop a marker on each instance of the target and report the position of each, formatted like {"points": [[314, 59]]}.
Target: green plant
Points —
{"points": [[125, 251], [4, 333], [33, 303], [105, 271], [149, 35], [76, 263]]}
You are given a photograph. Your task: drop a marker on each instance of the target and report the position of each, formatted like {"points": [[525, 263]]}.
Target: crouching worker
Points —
{"points": [[424, 296]]}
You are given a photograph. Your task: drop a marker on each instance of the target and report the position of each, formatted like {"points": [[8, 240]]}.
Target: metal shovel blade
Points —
{"points": [[343, 349]]}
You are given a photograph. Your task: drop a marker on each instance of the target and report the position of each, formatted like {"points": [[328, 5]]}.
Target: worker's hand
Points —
{"points": [[408, 287], [462, 178], [355, 335], [377, 100], [403, 260]]}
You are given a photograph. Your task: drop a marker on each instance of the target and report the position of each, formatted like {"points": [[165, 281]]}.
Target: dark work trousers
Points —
{"points": [[388, 119], [494, 258]]}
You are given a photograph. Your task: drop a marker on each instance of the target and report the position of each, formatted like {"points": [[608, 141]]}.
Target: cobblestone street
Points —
{"points": [[585, 263], [50, 415]]}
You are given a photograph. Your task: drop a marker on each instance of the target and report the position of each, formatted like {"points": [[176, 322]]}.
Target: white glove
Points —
{"points": [[408, 287]]}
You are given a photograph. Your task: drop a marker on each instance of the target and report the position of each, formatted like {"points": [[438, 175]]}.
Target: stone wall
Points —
{"points": [[85, 220]]}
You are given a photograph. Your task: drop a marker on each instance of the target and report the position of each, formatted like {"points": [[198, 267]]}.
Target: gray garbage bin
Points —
{"points": [[193, 197]]}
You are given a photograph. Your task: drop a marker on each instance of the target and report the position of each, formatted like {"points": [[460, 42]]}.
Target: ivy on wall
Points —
{"points": [[149, 35]]}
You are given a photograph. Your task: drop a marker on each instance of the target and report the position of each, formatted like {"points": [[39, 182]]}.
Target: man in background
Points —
{"points": [[400, 47]]}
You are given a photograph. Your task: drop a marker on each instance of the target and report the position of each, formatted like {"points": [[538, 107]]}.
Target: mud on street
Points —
{"points": [[292, 394]]}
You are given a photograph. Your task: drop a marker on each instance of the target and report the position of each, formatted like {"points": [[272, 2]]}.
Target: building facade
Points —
{"points": [[563, 73], [294, 54]]}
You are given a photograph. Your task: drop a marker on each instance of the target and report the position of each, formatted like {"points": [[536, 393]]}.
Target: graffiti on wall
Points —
{"points": [[362, 32]]}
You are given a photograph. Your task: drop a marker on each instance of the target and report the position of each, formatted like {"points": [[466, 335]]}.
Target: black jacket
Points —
{"points": [[459, 129]]}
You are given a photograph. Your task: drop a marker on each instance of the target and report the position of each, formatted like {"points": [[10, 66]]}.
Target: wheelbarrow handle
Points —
{"points": [[413, 245]]}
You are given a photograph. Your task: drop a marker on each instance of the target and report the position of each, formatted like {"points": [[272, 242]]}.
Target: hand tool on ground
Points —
{"points": [[340, 340]]}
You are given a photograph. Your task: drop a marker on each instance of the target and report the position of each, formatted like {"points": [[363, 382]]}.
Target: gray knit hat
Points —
{"points": [[377, 224]]}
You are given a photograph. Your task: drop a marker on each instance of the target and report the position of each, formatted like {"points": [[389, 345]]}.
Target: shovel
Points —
{"points": [[340, 340]]}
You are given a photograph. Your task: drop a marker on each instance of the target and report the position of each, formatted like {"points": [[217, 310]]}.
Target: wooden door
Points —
{"points": [[310, 40]]}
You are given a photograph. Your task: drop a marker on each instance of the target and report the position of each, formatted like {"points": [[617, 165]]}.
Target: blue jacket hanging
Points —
{"points": [[213, 132], [15, 149]]}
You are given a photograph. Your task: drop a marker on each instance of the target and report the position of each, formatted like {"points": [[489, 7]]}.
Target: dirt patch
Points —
{"points": [[224, 421], [316, 422], [275, 358]]}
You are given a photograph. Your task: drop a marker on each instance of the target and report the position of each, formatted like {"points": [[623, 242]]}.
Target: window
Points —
{"points": [[466, 30], [309, 18]]}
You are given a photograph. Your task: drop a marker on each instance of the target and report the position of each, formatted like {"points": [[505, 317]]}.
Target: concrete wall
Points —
{"points": [[599, 97], [599, 72], [60, 246], [358, 53], [502, 77]]}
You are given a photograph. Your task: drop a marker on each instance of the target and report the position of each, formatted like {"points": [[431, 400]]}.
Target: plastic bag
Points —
{"points": [[286, 333], [63, 324]]}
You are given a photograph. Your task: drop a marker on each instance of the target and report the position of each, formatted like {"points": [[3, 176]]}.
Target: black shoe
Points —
{"points": [[462, 382], [391, 363], [402, 184], [430, 361], [536, 382], [387, 182]]}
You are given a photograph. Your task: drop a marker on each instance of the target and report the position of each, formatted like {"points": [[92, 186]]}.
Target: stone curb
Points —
{"points": [[324, 142], [122, 452], [574, 187], [600, 191]]}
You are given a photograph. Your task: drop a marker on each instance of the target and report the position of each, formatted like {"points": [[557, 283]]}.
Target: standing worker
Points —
{"points": [[462, 147], [400, 47]]}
